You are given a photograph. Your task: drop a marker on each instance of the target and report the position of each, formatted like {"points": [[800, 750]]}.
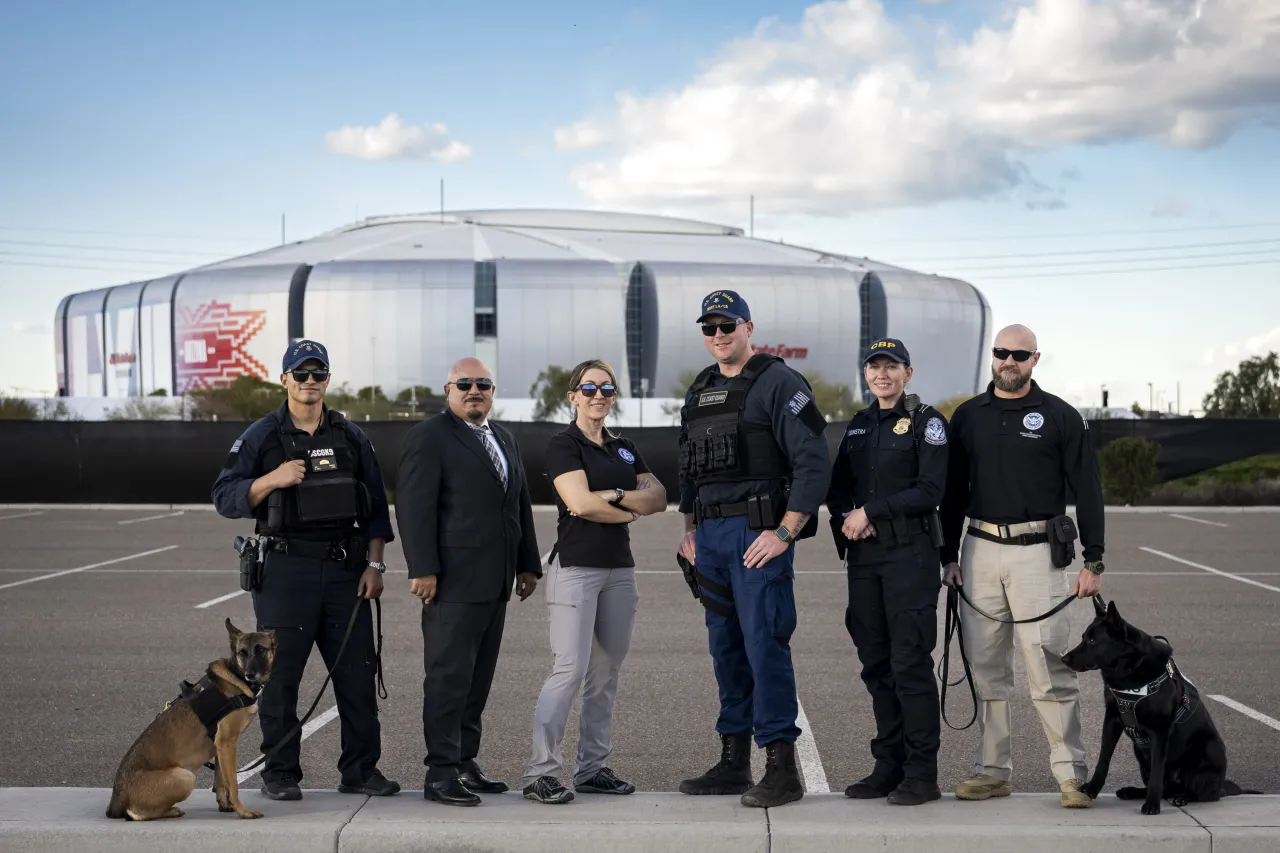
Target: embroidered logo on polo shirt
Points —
{"points": [[626, 455], [1033, 420]]}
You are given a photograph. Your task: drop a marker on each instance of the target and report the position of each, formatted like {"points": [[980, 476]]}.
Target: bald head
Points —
{"points": [[469, 368], [474, 401], [1013, 358], [1017, 336]]}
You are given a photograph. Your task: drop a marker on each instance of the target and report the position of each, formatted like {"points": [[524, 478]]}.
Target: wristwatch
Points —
{"points": [[1095, 566], [381, 567], [784, 534], [619, 495]]}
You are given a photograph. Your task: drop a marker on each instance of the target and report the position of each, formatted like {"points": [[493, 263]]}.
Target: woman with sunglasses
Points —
{"points": [[602, 484]]}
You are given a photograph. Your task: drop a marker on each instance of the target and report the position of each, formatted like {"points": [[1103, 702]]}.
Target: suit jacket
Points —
{"points": [[454, 518]]}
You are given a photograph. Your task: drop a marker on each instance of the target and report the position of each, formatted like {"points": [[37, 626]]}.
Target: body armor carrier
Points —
{"points": [[720, 446], [330, 499]]}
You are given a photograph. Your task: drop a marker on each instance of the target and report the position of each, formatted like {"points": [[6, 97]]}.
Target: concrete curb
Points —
{"points": [[51, 820], [161, 507]]}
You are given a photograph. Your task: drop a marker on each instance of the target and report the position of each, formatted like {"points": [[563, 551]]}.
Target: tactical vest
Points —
{"points": [[330, 498], [720, 446]]}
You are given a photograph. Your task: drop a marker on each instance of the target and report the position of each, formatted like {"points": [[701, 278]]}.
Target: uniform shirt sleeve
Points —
{"points": [[379, 524], [955, 500], [798, 427], [1083, 476], [243, 466], [840, 492], [932, 448], [562, 456], [688, 489], [640, 465]]}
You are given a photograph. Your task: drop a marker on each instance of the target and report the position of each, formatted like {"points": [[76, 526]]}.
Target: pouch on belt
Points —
{"points": [[1062, 540]]}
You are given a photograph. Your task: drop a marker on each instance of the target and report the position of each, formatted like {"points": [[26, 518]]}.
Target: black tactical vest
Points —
{"points": [[720, 446], [330, 499]]}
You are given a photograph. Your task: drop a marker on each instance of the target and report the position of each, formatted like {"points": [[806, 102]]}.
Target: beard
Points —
{"points": [[1011, 379]]}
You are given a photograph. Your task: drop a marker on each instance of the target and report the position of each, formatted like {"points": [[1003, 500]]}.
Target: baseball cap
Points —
{"points": [[303, 350], [891, 347], [726, 302]]}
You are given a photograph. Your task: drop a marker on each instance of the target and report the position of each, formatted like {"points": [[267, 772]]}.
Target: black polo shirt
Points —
{"points": [[614, 465], [1012, 460]]}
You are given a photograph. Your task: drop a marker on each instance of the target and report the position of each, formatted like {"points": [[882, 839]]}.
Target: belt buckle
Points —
{"points": [[339, 552]]}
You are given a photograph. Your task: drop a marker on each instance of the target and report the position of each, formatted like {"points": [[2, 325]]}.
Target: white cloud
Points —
{"points": [[1233, 353], [394, 140], [837, 112], [580, 136], [1171, 207], [21, 328]]}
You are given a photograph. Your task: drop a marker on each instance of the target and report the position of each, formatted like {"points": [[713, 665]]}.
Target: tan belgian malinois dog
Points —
{"points": [[203, 724]]}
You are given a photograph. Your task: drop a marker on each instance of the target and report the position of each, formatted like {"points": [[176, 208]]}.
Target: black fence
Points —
{"points": [[176, 462]]}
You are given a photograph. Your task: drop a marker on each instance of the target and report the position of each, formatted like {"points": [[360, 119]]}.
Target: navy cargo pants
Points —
{"points": [[309, 601], [750, 615], [892, 618]]}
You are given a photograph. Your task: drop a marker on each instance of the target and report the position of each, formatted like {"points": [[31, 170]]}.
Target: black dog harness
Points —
{"points": [[210, 704], [1128, 701]]}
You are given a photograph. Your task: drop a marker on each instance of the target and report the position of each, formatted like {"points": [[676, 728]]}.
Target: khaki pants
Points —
{"points": [[1020, 582]]}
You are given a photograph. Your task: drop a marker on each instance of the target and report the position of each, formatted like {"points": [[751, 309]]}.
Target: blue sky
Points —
{"points": [[940, 135]]}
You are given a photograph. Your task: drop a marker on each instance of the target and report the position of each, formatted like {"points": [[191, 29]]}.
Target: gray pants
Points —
{"points": [[592, 612]]}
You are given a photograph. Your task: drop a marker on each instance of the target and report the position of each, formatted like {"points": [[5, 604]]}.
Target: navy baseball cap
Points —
{"points": [[726, 302], [891, 347], [301, 351]]}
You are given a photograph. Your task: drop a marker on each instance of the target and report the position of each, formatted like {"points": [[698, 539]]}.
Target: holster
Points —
{"points": [[689, 575], [935, 529], [1062, 540], [250, 563]]}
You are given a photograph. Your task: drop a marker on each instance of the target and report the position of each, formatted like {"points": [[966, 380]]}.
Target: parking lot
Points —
{"points": [[103, 612]]}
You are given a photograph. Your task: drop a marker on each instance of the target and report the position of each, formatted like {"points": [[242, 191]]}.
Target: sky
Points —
{"points": [[1104, 171]]}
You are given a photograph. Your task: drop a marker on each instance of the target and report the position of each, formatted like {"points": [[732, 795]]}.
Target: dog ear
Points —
{"points": [[232, 630], [1099, 608], [1113, 613]]}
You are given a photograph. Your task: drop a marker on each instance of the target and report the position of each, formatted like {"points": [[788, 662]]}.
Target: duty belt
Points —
{"points": [[311, 549], [721, 510], [1026, 533]]}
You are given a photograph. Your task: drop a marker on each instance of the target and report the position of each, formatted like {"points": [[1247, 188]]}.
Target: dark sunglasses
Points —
{"points": [[320, 374], [728, 327], [465, 384], [1019, 355], [589, 390]]}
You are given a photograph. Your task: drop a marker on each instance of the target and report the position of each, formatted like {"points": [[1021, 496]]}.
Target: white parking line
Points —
{"points": [[151, 517], [1201, 520], [815, 780], [87, 568], [220, 599], [1209, 569], [308, 730], [1249, 712], [19, 515]]}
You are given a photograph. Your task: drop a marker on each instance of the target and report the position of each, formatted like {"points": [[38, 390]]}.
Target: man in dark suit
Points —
{"points": [[466, 526]]}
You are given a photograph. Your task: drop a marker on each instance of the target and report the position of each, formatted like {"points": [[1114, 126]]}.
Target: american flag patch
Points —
{"points": [[236, 446], [798, 402]]}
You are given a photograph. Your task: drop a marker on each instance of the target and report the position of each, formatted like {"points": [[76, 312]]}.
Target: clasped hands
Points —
{"points": [[857, 526]]}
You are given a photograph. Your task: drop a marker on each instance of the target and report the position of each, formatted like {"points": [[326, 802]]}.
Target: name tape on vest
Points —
{"points": [[712, 398]]}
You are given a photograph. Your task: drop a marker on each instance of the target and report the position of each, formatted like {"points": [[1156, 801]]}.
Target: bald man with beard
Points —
{"points": [[466, 526], [1015, 450]]}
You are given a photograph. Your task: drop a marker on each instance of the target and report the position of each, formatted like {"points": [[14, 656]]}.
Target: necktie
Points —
{"points": [[482, 433]]}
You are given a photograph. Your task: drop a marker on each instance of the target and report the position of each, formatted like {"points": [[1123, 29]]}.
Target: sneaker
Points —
{"points": [[604, 782], [983, 787], [914, 792], [375, 785], [284, 788], [547, 789], [1072, 795]]}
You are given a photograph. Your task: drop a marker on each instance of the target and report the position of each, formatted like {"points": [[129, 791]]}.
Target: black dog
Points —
{"points": [[1180, 753]]}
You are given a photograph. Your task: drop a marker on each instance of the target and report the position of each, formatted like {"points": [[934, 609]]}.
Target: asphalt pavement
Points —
{"points": [[101, 616]]}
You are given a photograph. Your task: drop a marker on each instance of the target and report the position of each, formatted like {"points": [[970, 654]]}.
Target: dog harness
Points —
{"points": [[210, 704], [1128, 701]]}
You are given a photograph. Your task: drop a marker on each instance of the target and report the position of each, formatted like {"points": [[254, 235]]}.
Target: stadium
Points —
{"points": [[398, 299]]}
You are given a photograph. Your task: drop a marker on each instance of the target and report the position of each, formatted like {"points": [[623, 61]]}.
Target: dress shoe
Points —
{"points": [[450, 792], [474, 779], [374, 785]]}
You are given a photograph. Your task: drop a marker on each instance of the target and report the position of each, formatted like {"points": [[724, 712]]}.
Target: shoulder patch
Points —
{"points": [[798, 402], [935, 432], [235, 448]]}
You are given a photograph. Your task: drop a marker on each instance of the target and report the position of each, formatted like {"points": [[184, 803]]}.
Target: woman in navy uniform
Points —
{"points": [[886, 485]]}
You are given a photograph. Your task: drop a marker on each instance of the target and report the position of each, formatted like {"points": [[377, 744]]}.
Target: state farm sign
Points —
{"points": [[784, 351]]}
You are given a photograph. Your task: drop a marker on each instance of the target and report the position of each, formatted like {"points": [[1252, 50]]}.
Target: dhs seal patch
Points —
{"points": [[627, 455], [1033, 420], [935, 432]]}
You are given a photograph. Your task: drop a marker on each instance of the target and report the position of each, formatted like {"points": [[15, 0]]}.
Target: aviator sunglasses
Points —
{"points": [[465, 384], [728, 327], [589, 390], [1019, 355], [319, 373]]}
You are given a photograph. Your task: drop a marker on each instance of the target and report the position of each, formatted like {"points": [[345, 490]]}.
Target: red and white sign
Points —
{"points": [[784, 351], [211, 345]]}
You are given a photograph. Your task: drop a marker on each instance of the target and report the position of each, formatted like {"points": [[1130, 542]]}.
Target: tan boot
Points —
{"points": [[1073, 797], [983, 787]]}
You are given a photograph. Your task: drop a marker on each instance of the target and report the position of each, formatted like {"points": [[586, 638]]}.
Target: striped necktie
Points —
{"points": [[482, 433]]}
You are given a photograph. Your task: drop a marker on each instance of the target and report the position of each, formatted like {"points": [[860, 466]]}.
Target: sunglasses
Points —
{"points": [[465, 384], [728, 327], [1019, 355], [589, 390], [319, 373]]}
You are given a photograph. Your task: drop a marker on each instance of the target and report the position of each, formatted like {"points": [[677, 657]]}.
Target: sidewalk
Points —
{"points": [[45, 820]]}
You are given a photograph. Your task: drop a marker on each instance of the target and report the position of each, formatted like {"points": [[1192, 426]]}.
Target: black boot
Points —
{"points": [[781, 783], [731, 776]]}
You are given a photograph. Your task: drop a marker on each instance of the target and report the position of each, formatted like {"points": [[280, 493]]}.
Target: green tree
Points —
{"points": [[947, 408], [1252, 391], [245, 398], [678, 391], [835, 400], [1129, 471], [17, 409], [550, 392]]}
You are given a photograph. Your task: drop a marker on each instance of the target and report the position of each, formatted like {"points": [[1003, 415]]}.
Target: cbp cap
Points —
{"points": [[726, 303], [891, 347], [302, 351]]}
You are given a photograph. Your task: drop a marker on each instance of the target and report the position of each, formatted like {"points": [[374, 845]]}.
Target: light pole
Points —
{"points": [[1151, 397]]}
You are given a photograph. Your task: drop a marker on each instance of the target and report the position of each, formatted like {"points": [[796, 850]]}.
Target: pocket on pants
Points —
{"points": [[780, 608]]}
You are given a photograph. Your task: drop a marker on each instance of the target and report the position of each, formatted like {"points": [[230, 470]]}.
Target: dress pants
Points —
{"points": [[461, 642]]}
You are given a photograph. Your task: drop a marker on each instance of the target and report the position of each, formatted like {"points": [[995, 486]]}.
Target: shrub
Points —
{"points": [[1129, 470]]}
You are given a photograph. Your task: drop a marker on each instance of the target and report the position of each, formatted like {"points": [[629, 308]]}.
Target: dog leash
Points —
{"points": [[382, 690]]}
